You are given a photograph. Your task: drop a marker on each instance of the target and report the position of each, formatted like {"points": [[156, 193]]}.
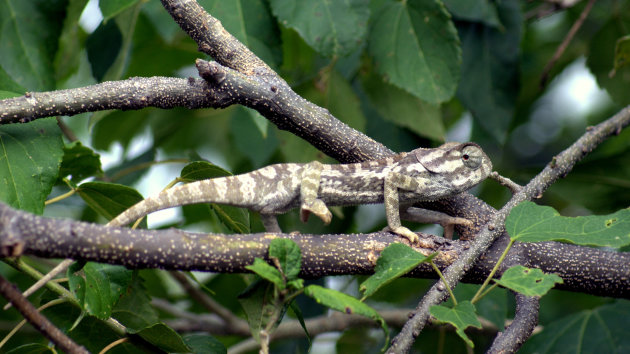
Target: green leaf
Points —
{"points": [[529, 222], [30, 155], [622, 53], [528, 281], [475, 11], [288, 254], [298, 313], [267, 272], [127, 171], [108, 199], [134, 309], [34, 348], [490, 76], [461, 317], [68, 56], [332, 28], [493, 306], [103, 46], [8, 87], [395, 261], [148, 45], [344, 303], [236, 219], [601, 330], [79, 162], [111, 8], [250, 21], [602, 53], [249, 138], [404, 109], [29, 41], [336, 94], [165, 338], [259, 306], [101, 288], [416, 48], [204, 344]]}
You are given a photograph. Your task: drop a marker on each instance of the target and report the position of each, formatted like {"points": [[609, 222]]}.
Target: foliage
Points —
{"points": [[406, 73]]}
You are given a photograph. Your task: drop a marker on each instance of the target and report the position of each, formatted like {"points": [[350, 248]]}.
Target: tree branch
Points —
{"points": [[560, 166], [525, 320], [25, 233], [41, 323]]}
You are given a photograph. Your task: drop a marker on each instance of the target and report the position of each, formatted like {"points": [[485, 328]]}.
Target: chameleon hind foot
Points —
{"points": [[316, 207]]}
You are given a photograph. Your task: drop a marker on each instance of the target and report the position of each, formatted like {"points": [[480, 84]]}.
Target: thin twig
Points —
{"points": [[565, 43], [30, 313]]}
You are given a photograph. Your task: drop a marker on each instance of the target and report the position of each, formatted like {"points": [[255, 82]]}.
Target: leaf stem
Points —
{"points": [[478, 295], [450, 292]]}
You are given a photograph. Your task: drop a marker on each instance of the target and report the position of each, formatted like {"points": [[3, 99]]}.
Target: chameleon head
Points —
{"points": [[460, 166]]}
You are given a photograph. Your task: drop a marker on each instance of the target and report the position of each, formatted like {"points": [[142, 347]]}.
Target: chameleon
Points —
{"points": [[397, 182], [403, 179]]}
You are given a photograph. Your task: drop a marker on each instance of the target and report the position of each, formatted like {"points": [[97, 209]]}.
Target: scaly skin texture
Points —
{"points": [[419, 175]]}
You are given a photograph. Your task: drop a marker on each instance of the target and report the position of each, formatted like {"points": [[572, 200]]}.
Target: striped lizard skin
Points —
{"points": [[419, 175]]}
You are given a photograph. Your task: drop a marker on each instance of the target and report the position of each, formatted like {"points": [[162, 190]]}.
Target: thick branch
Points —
{"points": [[24, 233]]}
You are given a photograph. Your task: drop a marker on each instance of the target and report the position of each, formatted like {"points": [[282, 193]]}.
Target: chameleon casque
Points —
{"points": [[403, 179]]}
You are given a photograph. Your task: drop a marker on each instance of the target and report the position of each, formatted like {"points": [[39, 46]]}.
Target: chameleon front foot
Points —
{"points": [[406, 233], [317, 207], [412, 237]]}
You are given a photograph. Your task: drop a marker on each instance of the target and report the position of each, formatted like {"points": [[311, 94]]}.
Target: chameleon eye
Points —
{"points": [[472, 157]]}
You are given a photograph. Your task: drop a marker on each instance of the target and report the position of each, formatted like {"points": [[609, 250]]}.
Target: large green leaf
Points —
{"points": [[529, 222], [148, 45], [336, 94], [259, 306], [164, 338], [111, 8], [527, 281], [475, 11], [108, 199], [99, 287], [332, 28], [79, 162], [68, 57], [8, 86], [28, 38], [489, 84], [134, 309], [461, 316], [404, 109], [103, 46], [601, 56], [288, 254], [204, 344], [267, 272], [395, 261], [30, 155], [416, 48], [252, 141], [601, 330], [250, 21], [344, 303]]}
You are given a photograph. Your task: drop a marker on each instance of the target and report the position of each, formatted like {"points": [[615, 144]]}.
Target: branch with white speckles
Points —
{"points": [[25, 233]]}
